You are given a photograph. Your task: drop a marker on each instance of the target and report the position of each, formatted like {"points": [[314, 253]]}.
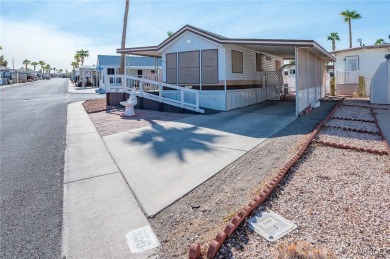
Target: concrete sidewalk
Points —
{"points": [[163, 162], [101, 217]]}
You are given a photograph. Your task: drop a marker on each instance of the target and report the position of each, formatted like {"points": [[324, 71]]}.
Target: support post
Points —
{"points": [[181, 98], [197, 102], [141, 88], [160, 92]]}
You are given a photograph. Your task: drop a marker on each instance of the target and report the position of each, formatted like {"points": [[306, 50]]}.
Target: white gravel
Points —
{"points": [[338, 205], [358, 125], [339, 198], [350, 112], [351, 138], [364, 103]]}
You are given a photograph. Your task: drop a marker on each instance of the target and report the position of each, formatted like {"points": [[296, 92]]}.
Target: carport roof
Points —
{"points": [[278, 47]]}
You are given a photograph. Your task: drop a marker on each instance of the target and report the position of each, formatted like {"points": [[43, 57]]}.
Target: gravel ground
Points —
{"points": [[364, 103], [351, 138], [96, 105], [338, 198], [198, 216], [358, 125], [350, 112], [337, 205]]}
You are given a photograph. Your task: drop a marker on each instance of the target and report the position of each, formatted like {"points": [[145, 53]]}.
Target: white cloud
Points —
{"points": [[37, 41]]}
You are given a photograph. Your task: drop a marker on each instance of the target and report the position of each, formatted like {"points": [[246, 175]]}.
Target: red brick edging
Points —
{"points": [[343, 146], [348, 119], [216, 243], [354, 130]]}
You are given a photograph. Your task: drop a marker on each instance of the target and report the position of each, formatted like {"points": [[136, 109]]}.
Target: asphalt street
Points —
{"points": [[32, 146]]}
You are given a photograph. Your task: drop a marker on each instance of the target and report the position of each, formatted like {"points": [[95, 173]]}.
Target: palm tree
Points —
{"points": [[82, 54], [333, 37], [60, 70], [34, 64], [47, 68], [54, 70], [74, 65], [123, 43], [379, 41], [42, 64], [348, 16], [26, 62]]}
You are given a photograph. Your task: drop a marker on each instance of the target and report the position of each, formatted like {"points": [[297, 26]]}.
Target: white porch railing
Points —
{"points": [[347, 77], [154, 90]]}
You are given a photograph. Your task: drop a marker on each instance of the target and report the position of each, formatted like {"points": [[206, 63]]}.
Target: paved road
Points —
{"points": [[32, 145]]}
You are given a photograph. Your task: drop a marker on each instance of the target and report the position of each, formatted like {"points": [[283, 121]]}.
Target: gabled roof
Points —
{"points": [[387, 45], [109, 60], [279, 47]]}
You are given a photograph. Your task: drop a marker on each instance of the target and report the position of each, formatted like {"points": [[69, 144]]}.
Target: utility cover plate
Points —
{"points": [[270, 225]]}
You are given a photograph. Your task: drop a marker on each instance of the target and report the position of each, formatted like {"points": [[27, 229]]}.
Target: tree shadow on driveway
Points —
{"points": [[164, 141]]}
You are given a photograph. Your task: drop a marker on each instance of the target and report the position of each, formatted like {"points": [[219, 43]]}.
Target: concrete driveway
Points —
{"points": [[163, 162]]}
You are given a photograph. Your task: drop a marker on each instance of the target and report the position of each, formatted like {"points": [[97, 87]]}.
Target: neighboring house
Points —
{"points": [[146, 67], [289, 77], [355, 62], [227, 73], [88, 76]]}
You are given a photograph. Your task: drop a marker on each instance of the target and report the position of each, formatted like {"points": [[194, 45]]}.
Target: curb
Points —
{"points": [[216, 243]]}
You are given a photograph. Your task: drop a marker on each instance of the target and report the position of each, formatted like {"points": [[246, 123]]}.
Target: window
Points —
{"points": [[258, 62], [117, 80], [237, 62], [352, 63], [171, 68], [286, 73], [110, 71], [292, 71], [189, 69], [210, 66]]}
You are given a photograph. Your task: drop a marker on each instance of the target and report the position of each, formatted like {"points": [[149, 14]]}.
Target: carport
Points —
{"points": [[310, 59], [228, 73]]}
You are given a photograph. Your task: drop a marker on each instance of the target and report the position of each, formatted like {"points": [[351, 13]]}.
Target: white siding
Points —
{"points": [[249, 71], [369, 60], [189, 42]]}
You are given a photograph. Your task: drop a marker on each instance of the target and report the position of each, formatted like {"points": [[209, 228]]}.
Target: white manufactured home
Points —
{"points": [[145, 67], [352, 63], [202, 70]]}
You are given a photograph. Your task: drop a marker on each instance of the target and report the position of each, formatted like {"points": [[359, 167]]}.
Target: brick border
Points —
{"points": [[216, 243], [343, 146], [376, 108], [348, 119], [354, 130]]}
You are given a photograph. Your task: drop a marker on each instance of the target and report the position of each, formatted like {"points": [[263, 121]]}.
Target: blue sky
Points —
{"points": [[53, 30]]}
